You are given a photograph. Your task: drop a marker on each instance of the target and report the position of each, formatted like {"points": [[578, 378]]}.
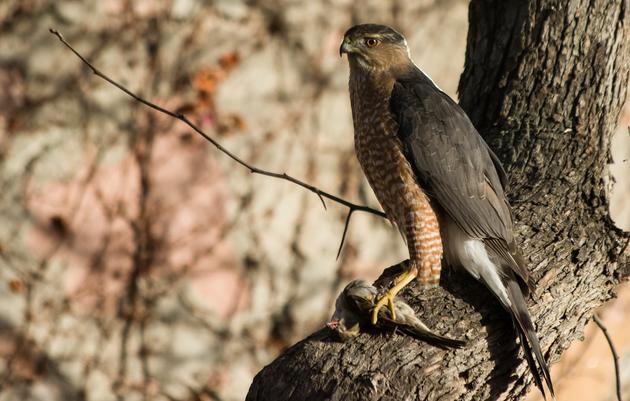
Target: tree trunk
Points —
{"points": [[544, 82]]}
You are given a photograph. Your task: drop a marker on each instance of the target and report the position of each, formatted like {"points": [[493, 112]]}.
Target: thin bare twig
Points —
{"points": [[353, 207], [345, 230], [604, 330]]}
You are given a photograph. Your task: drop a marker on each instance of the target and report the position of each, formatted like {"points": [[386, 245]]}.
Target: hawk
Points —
{"points": [[436, 179]]}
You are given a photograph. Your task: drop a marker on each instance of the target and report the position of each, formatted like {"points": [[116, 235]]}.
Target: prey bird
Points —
{"points": [[436, 179], [354, 306]]}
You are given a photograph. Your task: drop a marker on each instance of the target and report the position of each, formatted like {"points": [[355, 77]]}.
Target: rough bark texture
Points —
{"points": [[544, 82]]}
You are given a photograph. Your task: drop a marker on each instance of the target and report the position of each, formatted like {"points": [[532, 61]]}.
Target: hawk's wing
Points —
{"points": [[454, 165]]}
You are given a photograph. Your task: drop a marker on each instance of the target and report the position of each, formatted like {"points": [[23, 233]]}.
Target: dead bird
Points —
{"points": [[353, 309]]}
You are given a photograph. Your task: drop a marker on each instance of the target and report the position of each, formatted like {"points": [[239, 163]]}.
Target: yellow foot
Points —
{"points": [[388, 298]]}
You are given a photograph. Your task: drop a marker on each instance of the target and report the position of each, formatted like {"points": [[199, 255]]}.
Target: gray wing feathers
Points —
{"points": [[498, 166], [455, 166]]}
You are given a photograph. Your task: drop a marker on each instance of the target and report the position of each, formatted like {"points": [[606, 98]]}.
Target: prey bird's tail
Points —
{"points": [[527, 335], [431, 337]]}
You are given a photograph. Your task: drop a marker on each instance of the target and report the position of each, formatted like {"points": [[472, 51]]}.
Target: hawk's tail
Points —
{"points": [[528, 337]]}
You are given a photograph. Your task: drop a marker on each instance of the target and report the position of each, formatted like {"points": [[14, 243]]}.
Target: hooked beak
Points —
{"points": [[346, 46]]}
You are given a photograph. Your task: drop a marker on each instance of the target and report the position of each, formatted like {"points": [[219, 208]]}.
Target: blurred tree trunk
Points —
{"points": [[544, 82]]}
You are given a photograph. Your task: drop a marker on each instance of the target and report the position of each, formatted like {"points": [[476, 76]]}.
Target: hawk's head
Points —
{"points": [[374, 46]]}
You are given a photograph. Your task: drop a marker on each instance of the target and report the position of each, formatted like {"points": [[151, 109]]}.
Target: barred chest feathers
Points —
{"points": [[380, 154], [379, 150]]}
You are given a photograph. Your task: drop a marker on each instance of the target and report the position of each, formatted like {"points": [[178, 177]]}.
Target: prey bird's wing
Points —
{"points": [[408, 323], [454, 165]]}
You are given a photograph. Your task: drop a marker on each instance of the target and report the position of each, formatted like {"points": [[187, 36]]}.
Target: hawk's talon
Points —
{"points": [[392, 309], [388, 298]]}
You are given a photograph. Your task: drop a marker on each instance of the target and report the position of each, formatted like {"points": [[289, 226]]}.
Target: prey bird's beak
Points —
{"points": [[333, 324], [346, 46]]}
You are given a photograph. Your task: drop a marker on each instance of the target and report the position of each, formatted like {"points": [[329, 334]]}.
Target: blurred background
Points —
{"points": [[136, 261]]}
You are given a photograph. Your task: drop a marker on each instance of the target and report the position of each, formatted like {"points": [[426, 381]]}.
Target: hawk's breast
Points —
{"points": [[391, 176], [380, 154]]}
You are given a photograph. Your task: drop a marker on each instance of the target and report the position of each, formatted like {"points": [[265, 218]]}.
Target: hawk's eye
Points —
{"points": [[371, 42]]}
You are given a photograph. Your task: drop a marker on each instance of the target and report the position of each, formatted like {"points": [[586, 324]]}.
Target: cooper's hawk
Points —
{"points": [[435, 177], [353, 308]]}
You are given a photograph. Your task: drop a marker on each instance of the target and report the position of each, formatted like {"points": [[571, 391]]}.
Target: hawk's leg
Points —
{"points": [[425, 244], [400, 282], [422, 232]]}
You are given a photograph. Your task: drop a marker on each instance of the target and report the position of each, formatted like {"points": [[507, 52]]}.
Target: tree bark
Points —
{"points": [[544, 82]]}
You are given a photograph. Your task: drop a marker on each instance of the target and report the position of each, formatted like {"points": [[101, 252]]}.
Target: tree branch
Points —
{"points": [[615, 356], [352, 207]]}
